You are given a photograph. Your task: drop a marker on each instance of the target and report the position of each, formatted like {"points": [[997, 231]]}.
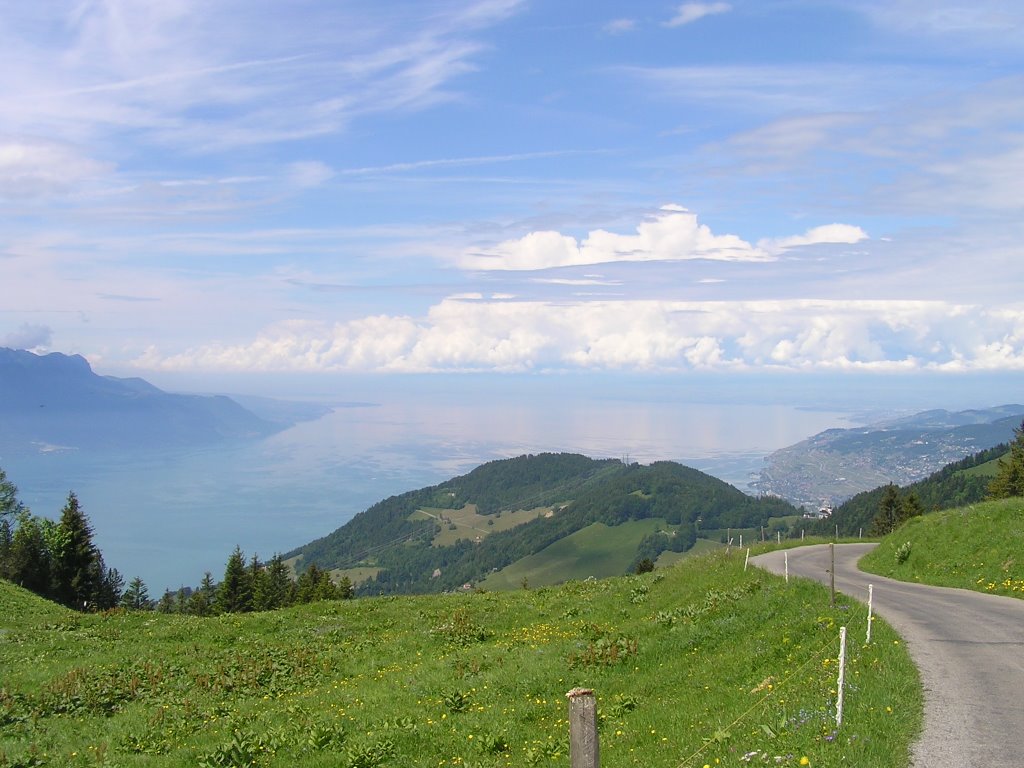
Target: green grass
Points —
{"points": [[979, 547], [354, 575], [596, 551], [988, 469], [696, 664], [700, 547], [466, 523]]}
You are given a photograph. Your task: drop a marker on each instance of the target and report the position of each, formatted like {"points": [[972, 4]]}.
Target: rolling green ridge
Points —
{"points": [[700, 663], [397, 537], [976, 547]]}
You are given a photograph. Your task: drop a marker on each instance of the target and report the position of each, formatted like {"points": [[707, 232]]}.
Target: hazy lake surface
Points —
{"points": [[169, 516]]}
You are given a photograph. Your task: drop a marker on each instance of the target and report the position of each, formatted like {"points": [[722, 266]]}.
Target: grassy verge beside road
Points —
{"points": [[979, 547]]}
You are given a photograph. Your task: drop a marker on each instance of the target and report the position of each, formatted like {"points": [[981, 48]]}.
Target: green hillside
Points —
{"points": [[974, 547], [699, 664], [596, 551], [460, 531], [955, 485], [20, 608]]}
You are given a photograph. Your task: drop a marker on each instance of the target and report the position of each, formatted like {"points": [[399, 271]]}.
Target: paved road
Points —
{"points": [[968, 646]]}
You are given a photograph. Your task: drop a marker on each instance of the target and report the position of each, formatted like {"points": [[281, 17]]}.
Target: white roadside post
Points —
{"points": [[786, 555], [871, 590], [746, 560], [842, 677]]}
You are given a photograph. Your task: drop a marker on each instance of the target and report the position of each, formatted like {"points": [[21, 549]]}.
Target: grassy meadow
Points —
{"points": [[467, 523], [597, 550], [697, 664], [979, 547]]}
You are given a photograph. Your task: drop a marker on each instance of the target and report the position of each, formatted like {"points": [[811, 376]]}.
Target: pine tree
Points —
{"points": [[910, 506], [279, 587], [345, 589], [204, 599], [111, 585], [1009, 481], [76, 579], [235, 592], [29, 562], [260, 581], [9, 504], [167, 603], [136, 596], [887, 516]]}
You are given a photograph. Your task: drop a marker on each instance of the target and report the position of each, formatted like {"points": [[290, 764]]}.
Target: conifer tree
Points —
{"points": [[204, 599], [1009, 480], [279, 586], [29, 563], [235, 592], [9, 504], [111, 585], [887, 516], [76, 578], [136, 596], [260, 582], [167, 603]]}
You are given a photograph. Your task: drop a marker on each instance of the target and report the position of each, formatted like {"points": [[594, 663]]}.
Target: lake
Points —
{"points": [[169, 516]]}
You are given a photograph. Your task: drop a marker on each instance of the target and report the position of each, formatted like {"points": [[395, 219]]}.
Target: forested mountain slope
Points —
{"points": [[553, 495]]}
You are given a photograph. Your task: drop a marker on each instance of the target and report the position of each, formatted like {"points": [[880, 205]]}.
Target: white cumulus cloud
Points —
{"points": [[461, 334], [672, 234]]}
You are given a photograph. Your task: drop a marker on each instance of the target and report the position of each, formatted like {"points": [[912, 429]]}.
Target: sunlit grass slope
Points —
{"points": [[595, 551], [979, 547], [698, 664]]}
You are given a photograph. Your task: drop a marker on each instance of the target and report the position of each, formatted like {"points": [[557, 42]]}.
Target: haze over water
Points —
{"points": [[170, 515]]}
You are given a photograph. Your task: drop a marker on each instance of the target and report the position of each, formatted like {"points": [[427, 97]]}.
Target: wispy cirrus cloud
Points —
{"points": [[687, 13], [206, 77]]}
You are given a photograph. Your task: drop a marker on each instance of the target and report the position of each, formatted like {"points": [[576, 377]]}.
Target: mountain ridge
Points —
{"points": [[836, 464], [57, 401]]}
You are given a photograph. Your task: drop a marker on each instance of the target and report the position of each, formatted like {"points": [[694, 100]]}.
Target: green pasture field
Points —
{"points": [[700, 547], [596, 551], [466, 523], [979, 547], [988, 469], [355, 575], [697, 664]]}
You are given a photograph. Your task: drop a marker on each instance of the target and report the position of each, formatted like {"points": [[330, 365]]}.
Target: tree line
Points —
{"points": [[57, 560], [61, 562], [252, 585]]}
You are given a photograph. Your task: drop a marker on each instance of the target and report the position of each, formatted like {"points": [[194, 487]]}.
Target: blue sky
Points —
{"points": [[215, 187]]}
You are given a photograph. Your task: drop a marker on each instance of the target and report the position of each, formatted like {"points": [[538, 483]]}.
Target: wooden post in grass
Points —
{"points": [[584, 751]]}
